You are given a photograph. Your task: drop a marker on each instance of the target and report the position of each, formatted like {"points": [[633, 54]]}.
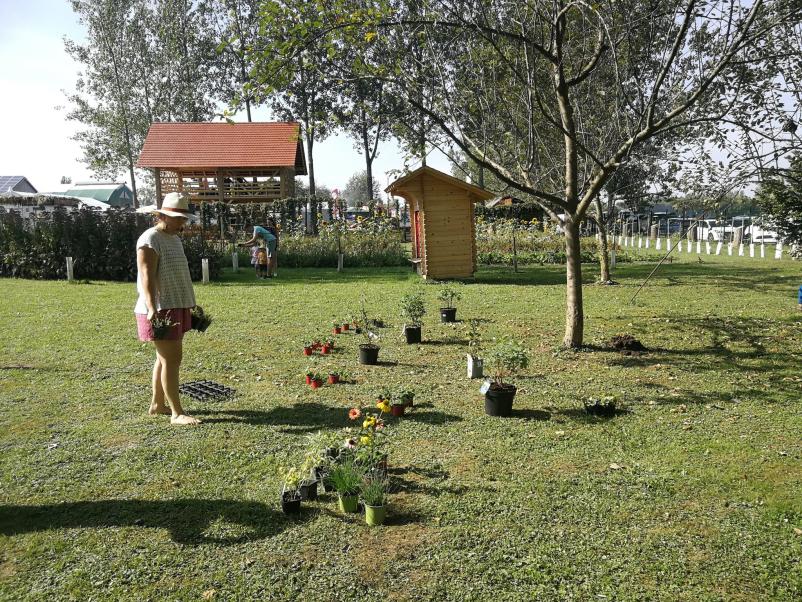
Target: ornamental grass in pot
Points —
{"points": [[373, 492], [505, 359], [368, 350], [347, 479], [449, 295], [413, 309]]}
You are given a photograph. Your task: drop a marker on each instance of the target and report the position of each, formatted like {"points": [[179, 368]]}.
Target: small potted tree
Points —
{"points": [[449, 295], [475, 363], [505, 359], [374, 495], [290, 494], [368, 350], [346, 478], [412, 311]]}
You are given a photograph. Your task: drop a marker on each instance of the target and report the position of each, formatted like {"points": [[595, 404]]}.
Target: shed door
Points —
{"points": [[416, 226]]}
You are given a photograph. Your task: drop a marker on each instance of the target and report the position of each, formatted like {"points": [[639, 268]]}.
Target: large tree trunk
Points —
{"points": [[574, 315]]}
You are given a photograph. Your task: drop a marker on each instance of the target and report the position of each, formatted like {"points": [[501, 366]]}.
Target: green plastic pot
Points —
{"points": [[348, 503], [375, 515]]}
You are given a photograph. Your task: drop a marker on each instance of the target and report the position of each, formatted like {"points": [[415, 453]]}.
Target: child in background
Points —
{"points": [[261, 262], [254, 250]]}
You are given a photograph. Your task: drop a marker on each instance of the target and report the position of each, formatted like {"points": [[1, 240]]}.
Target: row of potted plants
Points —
{"points": [[413, 308], [316, 380], [324, 346]]}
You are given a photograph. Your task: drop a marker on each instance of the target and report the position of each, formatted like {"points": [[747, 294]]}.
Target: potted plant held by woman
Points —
{"points": [[412, 311], [475, 363], [503, 360], [448, 295]]}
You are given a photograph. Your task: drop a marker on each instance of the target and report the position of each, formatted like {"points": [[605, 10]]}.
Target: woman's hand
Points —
{"points": [[152, 313]]}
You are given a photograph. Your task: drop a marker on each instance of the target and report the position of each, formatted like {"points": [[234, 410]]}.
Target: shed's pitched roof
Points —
{"points": [[100, 191], [480, 193], [212, 145], [18, 183]]}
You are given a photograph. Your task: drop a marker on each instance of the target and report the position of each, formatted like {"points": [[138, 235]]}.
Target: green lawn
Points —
{"points": [[693, 493]]}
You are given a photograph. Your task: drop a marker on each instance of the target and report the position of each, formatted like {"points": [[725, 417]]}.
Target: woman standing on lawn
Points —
{"points": [[165, 291]]}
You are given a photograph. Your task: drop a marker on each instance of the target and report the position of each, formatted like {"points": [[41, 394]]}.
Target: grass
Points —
{"points": [[691, 493]]}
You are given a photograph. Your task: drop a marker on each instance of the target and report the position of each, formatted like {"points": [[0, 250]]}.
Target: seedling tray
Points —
{"points": [[206, 390]]}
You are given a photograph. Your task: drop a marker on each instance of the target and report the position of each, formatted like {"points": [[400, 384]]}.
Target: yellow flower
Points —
{"points": [[369, 422], [365, 440], [383, 406]]}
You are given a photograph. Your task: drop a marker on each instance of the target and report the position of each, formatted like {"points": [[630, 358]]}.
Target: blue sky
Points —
{"points": [[34, 71]]}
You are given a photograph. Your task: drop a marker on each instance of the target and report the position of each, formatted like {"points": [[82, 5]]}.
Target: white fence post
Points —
{"points": [[718, 248], [205, 270], [751, 249], [741, 250], [235, 261], [778, 251], [70, 273]]}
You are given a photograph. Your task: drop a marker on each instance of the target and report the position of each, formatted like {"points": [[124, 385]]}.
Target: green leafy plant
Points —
{"points": [[413, 308], [291, 477], [474, 337], [449, 295], [506, 358], [200, 319]]}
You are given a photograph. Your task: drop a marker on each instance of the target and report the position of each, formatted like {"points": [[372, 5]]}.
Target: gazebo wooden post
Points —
{"points": [[157, 174], [221, 199]]}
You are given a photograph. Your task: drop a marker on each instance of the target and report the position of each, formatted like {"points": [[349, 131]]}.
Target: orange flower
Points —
{"points": [[354, 414]]}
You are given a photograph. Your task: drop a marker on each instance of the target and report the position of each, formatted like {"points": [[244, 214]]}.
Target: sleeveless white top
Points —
{"points": [[173, 282]]}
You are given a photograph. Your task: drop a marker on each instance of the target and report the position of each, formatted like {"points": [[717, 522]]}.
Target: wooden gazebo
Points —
{"points": [[443, 224], [226, 162]]}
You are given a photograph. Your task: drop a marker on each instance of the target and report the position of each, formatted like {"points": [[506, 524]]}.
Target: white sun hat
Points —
{"points": [[174, 204]]}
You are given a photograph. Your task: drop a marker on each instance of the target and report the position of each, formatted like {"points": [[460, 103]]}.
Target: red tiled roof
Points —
{"points": [[212, 145]]}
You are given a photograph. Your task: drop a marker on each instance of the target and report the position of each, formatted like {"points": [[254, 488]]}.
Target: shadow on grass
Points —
{"points": [[299, 418], [187, 520], [539, 415], [449, 341], [431, 482], [580, 415], [429, 417]]}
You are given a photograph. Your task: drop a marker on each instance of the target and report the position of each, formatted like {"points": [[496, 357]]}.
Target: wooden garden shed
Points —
{"points": [[442, 222], [225, 162]]}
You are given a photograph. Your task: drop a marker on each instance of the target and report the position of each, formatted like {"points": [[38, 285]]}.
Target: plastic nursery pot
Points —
{"points": [[307, 350], [315, 383], [308, 490], [603, 410], [412, 334], [325, 350], [448, 314], [334, 379], [348, 503], [346, 327], [498, 400], [337, 329], [375, 515], [369, 355], [290, 502], [397, 409]]}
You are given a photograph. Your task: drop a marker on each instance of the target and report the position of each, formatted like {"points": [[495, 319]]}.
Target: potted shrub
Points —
{"points": [[309, 347], [316, 381], [475, 363], [406, 396], [309, 374], [346, 478], [368, 350], [200, 319], [162, 327], [290, 494], [449, 295], [503, 360], [337, 329], [374, 496], [412, 311], [334, 378], [603, 407]]}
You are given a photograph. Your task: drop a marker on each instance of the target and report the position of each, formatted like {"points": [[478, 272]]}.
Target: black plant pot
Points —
{"points": [[413, 334], [498, 401], [603, 410], [290, 502], [448, 314], [308, 490], [369, 355], [328, 484]]}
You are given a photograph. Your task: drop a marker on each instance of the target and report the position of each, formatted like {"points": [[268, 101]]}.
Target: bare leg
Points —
{"points": [[170, 354], [273, 262], [157, 405]]}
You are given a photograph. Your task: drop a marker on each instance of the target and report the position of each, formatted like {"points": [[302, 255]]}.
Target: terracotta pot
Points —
{"points": [[315, 384], [307, 350], [325, 350], [334, 379], [308, 380], [346, 327], [397, 409], [337, 329]]}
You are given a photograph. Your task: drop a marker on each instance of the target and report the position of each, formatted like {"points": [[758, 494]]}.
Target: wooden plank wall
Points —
{"points": [[448, 223]]}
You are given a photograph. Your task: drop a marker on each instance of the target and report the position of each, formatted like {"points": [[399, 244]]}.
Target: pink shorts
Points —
{"points": [[181, 316]]}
